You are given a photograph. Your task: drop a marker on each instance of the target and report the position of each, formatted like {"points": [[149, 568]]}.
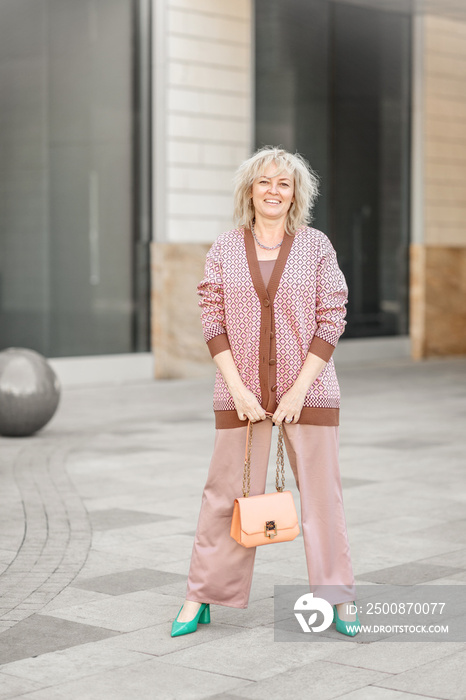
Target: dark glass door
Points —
{"points": [[369, 111], [332, 82]]}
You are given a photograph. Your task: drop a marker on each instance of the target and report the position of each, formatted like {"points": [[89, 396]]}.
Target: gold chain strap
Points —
{"points": [[247, 463], [280, 471]]}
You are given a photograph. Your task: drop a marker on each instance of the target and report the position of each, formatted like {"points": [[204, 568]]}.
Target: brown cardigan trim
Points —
{"points": [[319, 416], [309, 416], [321, 348], [267, 371], [218, 344]]}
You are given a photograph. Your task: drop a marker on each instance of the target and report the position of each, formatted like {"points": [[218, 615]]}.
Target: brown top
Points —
{"points": [[266, 267]]}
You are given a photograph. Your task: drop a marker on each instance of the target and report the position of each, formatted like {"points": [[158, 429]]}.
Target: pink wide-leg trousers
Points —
{"points": [[221, 569]]}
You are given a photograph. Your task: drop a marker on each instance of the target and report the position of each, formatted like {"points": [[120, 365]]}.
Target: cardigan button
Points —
{"points": [[272, 362], [272, 336], [266, 302], [274, 387]]}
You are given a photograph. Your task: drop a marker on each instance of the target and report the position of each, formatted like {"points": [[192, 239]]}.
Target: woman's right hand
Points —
{"points": [[247, 406]]}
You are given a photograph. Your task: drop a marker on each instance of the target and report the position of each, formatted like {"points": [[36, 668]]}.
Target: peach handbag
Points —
{"points": [[268, 517]]}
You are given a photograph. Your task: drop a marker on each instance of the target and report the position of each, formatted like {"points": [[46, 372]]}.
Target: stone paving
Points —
{"points": [[45, 530], [98, 513]]}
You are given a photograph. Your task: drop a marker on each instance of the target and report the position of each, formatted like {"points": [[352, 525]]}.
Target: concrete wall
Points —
{"points": [[438, 252], [203, 112]]}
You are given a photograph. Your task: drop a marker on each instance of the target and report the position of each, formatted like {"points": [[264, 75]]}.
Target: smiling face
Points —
{"points": [[273, 194]]}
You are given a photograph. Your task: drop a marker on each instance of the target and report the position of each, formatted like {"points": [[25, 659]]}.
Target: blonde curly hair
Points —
{"points": [[306, 186]]}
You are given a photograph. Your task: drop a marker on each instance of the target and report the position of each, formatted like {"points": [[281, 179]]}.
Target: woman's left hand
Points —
{"points": [[292, 402], [290, 406]]}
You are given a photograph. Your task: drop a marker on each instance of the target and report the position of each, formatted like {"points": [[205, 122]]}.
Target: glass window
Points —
{"points": [[69, 238]]}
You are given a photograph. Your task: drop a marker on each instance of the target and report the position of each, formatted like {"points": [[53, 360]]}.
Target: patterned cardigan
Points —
{"points": [[270, 330]]}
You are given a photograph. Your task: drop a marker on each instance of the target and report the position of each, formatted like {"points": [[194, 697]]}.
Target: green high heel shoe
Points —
{"points": [[350, 628], [202, 616]]}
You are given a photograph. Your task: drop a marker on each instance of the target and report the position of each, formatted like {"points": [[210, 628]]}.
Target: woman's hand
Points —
{"points": [[290, 406], [247, 406], [291, 403]]}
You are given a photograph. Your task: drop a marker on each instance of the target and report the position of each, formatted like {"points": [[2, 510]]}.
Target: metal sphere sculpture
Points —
{"points": [[29, 392]]}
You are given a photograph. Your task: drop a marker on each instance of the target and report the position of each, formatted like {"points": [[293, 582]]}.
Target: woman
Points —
{"points": [[273, 307]]}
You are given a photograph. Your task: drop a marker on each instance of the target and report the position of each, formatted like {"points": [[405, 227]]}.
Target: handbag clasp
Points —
{"points": [[270, 528]]}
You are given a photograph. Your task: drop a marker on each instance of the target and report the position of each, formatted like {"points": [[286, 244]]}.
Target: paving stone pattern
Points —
{"points": [[42, 508], [97, 516]]}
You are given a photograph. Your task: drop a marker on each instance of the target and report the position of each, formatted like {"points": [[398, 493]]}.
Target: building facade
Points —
{"points": [[124, 122]]}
